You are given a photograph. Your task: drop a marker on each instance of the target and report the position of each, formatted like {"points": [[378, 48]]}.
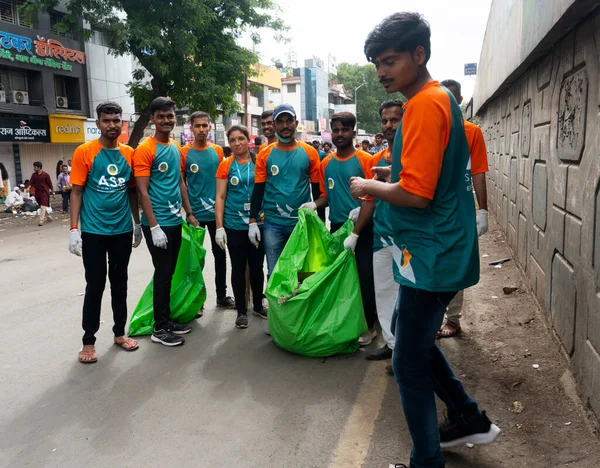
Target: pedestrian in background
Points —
{"points": [[64, 185], [42, 185], [235, 182]]}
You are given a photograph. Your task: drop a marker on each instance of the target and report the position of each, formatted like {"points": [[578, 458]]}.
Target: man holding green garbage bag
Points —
{"points": [[159, 165]]}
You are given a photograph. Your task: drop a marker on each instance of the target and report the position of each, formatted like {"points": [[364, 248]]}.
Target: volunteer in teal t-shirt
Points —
{"points": [[158, 166], [235, 182], [104, 197]]}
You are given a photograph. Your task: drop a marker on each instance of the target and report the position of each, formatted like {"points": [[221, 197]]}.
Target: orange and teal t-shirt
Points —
{"points": [[435, 248], [200, 170], [476, 142], [105, 175], [335, 174], [163, 163], [240, 184], [383, 234], [287, 174]]}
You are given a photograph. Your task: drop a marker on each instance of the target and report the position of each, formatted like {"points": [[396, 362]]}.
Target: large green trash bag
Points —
{"points": [[188, 292], [322, 315]]}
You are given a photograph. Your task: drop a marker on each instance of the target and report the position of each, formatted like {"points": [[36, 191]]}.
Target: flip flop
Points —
{"points": [[129, 344], [88, 357], [454, 330]]}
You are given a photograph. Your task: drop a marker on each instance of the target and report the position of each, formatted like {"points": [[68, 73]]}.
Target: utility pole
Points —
{"points": [[355, 101]]}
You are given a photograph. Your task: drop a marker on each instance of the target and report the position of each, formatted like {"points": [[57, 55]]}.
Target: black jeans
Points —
{"points": [[364, 264], [66, 196], [220, 260], [241, 251], [94, 249], [164, 261]]}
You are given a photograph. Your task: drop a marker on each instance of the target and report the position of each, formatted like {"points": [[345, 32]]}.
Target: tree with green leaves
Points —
{"points": [[187, 49], [369, 97]]}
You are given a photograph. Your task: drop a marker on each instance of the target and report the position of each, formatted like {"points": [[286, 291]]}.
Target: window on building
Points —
{"points": [[100, 37], [55, 18], [67, 92], [13, 80], [291, 88], [10, 12], [60, 87]]}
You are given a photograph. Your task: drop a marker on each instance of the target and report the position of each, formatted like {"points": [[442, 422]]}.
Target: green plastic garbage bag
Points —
{"points": [[315, 305], [188, 292]]}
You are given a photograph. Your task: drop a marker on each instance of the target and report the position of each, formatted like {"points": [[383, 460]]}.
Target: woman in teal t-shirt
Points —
{"points": [[235, 182]]}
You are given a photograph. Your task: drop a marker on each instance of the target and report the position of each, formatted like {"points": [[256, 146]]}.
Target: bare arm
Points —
{"points": [[75, 201], [143, 183], [480, 190], [365, 216], [133, 204], [186, 201], [392, 193], [220, 201]]}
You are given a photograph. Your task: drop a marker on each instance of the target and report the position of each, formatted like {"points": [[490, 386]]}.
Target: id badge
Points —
{"points": [[246, 206]]}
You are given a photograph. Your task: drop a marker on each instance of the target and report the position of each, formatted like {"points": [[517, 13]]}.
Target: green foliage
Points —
{"points": [[369, 97], [188, 48]]}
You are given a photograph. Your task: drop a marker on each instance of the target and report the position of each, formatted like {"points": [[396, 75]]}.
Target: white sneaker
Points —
{"points": [[367, 337]]}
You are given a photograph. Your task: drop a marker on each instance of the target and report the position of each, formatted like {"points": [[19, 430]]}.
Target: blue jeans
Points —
{"points": [[276, 236], [421, 369]]}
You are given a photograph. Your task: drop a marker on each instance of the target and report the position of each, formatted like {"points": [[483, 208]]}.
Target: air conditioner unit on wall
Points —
{"points": [[2, 96], [62, 102], [20, 97]]}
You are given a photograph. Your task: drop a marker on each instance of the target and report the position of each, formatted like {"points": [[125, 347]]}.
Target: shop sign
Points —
{"points": [[24, 130], [92, 132], [67, 128], [48, 52]]}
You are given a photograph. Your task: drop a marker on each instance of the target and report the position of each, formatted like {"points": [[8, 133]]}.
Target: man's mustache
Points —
{"points": [[386, 80]]}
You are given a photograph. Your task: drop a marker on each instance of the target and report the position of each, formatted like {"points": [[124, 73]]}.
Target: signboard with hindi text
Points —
{"points": [[24, 130], [40, 51]]}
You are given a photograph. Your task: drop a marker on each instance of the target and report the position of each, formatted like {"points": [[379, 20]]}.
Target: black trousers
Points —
{"points": [[220, 260], [95, 248], [241, 251], [66, 196], [164, 261], [364, 265]]}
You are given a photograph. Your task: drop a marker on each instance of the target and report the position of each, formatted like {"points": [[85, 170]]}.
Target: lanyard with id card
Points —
{"points": [[247, 184]]}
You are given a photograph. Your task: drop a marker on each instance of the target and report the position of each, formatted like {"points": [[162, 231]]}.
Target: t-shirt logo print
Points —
{"points": [[163, 167], [274, 170], [330, 183], [234, 181], [402, 260], [194, 168], [112, 169]]}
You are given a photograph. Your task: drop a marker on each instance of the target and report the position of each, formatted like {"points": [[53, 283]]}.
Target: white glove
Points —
{"points": [[482, 222], [137, 235], [311, 205], [254, 234], [159, 238], [75, 242], [350, 241], [221, 238], [353, 215]]}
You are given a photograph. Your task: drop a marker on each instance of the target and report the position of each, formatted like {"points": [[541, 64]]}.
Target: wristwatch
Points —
{"points": [[188, 214]]}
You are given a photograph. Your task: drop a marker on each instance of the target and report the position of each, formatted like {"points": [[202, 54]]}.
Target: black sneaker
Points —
{"points": [[226, 302], [242, 320], [200, 313], [179, 328], [166, 337], [480, 431], [262, 313], [380, 354], [389, 369]]}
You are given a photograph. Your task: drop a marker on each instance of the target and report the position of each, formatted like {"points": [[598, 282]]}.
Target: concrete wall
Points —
{"points": [[543, 139]]}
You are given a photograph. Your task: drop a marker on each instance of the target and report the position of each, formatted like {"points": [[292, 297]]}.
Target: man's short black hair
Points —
{"points": [[347, 119], [388, 104], [380, 135], [317, 142], [65, 165], [266, 114], [328, 143], [258, 141], [454, 83], [403, 32], [161, 103], [199, 115], [108, 108], [38, 164], [365, 141]]}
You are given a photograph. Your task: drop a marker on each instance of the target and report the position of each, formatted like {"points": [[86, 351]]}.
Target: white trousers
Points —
{"points": [[386, 291], [454, 309]]}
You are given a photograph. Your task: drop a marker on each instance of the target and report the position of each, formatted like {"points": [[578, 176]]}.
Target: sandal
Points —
{"points": [[448, 330], [128, 344], [88, 357]]}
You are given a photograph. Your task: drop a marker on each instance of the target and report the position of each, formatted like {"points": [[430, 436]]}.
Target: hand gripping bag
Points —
{"points": [[315, 305], [188, 291]]}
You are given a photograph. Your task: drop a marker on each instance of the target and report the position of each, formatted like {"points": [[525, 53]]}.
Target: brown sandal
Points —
{"points": [[448, 330], [128, 344], [88, 357]]}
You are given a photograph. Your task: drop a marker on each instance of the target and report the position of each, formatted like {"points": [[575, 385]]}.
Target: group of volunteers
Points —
{"points": [[415, 221]]}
